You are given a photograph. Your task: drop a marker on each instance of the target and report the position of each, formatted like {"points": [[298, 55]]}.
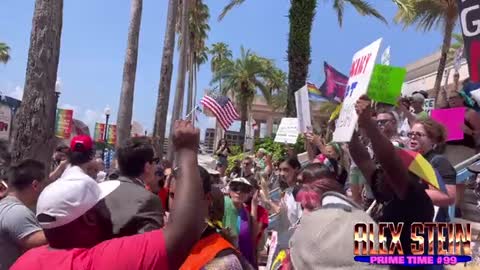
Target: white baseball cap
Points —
{"points": [[241, 180], [66, 200]]}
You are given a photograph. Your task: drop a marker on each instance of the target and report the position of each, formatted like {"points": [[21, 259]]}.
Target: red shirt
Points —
{"points": [[137, 252]]}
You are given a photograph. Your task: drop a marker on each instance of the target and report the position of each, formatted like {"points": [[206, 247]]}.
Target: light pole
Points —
{"points": [[58, 91], [105, 133]]}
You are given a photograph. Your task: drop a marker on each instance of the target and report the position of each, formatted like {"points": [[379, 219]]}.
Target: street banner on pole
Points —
{"points": [[63, 123], [5, 121], [99, 133], [360, 74], [303, 109], [112, 134], [470, 22]]}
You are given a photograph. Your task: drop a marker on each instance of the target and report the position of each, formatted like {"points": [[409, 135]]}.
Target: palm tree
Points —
{"points": [[198, 28], [33, 133], [426, 15], [125, 108], [182, 70], [219, 52], [241, 79], [301, 15], [166, 69], [4, 53]]}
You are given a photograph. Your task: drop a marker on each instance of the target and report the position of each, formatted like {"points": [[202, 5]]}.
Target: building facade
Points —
{"points": [[422, 73]]}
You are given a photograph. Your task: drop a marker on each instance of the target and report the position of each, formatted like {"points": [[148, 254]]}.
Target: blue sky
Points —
{"points": [[94, 39]]}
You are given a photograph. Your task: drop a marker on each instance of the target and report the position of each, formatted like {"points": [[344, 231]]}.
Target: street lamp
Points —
{"points": [[58, 91], [107, 112]]}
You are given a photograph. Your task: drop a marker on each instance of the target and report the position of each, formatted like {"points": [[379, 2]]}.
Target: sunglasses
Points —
{"points": [[383, 122], [247, 164], [240, 188], [415, 134]]}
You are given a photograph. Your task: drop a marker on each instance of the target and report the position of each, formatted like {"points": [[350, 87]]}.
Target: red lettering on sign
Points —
{"points": [[359, 66], [367, 59]]}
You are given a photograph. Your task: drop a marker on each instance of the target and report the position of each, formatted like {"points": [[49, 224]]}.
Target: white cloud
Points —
{"points": [[15, 93]]}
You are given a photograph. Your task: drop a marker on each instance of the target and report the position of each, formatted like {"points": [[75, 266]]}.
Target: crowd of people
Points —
{"points": [[147, 213]]}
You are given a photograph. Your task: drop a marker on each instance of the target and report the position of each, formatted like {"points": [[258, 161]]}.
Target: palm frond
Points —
{"points": [[338, 6], [229, 7], [366, 9]]}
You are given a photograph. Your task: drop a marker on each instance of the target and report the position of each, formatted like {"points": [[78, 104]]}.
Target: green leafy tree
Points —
{"points": [[428, 15], [301, 15]]}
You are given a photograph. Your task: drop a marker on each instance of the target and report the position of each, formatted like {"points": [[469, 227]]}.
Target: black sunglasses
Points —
{"points": [[383, 122], [240, 188]]}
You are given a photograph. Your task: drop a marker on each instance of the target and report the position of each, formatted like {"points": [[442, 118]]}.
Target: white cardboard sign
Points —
{"points": [[5, 121], [303, 109], [287, 131], [429, 105], [360, 74]]}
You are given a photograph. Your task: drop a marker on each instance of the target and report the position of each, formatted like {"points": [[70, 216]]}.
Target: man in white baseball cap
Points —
{"points": [[78, 228]]}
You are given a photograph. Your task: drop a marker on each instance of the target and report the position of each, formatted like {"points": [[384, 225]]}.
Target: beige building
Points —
{"points": [[421, 74]]}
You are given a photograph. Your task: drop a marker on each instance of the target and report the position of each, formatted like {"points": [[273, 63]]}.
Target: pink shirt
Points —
{"points": [[137, 252]]}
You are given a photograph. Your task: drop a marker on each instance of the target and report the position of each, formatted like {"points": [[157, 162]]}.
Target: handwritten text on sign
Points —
{"points": [[287, 131], [360, 73]]}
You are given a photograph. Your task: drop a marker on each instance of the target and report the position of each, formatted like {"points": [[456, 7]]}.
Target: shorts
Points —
{"points": [[356, 177]]}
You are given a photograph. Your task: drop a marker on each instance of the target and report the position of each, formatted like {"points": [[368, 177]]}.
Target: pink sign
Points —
{"points": [[453, 120]]}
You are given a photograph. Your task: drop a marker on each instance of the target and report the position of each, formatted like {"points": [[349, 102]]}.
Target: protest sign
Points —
{"points": [[5, 121], [386, 84], [287, 131], [429, 105], [303, 109], [63, 123], [453, 120], [360, 73], [470, 22], [385, 60]]}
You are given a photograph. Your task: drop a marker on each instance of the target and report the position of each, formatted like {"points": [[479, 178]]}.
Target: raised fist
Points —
{"points": [[185, 135], [364, 110]]}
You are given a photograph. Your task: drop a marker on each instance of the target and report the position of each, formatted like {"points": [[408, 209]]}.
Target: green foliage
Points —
{"points": [[235, 150], [276, 149]]}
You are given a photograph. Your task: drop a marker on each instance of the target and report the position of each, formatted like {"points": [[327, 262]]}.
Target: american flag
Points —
{"points": [[222, 107]]}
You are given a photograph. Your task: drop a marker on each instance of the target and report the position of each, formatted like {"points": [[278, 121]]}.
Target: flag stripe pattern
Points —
{"points": [[223, 109]]}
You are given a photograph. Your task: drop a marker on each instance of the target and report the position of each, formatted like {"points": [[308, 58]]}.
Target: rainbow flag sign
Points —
{"points": [[314, 93], [64, 123], [112, 135], [99, 133]]}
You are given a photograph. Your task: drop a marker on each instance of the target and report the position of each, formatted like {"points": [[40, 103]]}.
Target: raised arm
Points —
{"points": [[361, 157], [395, 171], [186, 221]]}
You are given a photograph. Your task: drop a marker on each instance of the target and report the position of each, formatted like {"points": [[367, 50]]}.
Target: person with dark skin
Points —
{"points": [[401, 195], [91, 246]]}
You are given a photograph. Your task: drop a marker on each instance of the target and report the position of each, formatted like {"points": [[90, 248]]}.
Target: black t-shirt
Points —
{"points": [[449, 177], [415, 207]]}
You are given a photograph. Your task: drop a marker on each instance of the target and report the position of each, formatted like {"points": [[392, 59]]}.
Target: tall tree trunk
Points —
{"points": [[190, 83], [243, 116], [182, 70], [301, 17], [33, 134], [164, 85], [447, 39], [125, 108]]}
